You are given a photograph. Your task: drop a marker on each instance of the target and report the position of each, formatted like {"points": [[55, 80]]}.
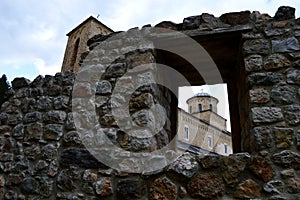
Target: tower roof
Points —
{"points": [[202, 94], [85, 21]]}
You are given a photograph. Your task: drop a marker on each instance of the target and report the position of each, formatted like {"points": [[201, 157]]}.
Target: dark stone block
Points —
{"points": [[236, 18], [32, 117], [131, 189], [80, 157], [284, 94], [268, 78], [285, 13], [167, 25], [258, 46], [20, 82], [292, 114], [192, 22], [285, 45], [287, 159], [30, 186], [103, 88]]}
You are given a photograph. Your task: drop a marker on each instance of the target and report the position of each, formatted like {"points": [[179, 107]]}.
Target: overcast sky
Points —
{"points": [[33, 32]]}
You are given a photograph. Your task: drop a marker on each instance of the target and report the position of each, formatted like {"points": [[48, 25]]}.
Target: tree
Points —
{"points": [[4, 87]]}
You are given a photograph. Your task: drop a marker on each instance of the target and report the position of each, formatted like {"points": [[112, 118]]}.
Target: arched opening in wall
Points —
{"points": [[224, 49], [75, 52]]}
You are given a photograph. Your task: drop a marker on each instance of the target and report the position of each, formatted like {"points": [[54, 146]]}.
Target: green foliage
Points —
{"points": [[4, 86]]}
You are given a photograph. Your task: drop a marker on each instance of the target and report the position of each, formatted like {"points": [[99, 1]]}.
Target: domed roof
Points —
{"points": [[202, 94]]}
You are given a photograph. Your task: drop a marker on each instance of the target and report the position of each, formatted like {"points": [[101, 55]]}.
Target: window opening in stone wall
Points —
{"points": [[199, 107], [186, 132], [225, 148], [75, 51], [209, 127], [209, 142]]}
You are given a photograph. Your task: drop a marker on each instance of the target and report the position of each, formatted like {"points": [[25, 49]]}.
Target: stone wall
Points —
{"points": [[44, 156]]}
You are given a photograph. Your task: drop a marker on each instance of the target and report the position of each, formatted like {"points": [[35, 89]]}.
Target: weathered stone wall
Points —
{"points": [[43, 157]]}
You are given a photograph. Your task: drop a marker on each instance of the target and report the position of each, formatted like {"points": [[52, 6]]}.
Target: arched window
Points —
{"points": [[210, 107], [190, 109], [186, 133], [199, 107]]}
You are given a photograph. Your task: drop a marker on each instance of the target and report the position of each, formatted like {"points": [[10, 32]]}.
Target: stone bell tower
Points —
{"points": [[77, 42], [204, 106]]}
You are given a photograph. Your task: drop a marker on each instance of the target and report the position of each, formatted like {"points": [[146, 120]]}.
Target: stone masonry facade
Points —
{"points": [[44, 155]]}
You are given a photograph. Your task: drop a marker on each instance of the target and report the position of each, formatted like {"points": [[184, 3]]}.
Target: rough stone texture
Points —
{"points": [[292, 114], [285, 45], [284, 94], [185, 166], [259, 46], [264, 79], [81, 157], [163, 188], [293, 76], [103, 187], [247, 190], [236, 18], [20, 82], [131, 189], [276, 61], [287, 158], [253, 63], [206, 186], [285, 13], [259, 95], [266, 114], [233, 166], [262, 169]]}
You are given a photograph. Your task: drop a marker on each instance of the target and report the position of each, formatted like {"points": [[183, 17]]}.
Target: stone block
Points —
{"points": [[261, 168], [206, 186], [287, 158], [284, 94], [264, 79], [258, 46], [292, 114], [185, 166], [276, 61], [285, 13], [103, 187], [285, 45], [293, 76], [20, 82], [248, 189], [163, 188], [131, 189], [253, 63], [259, 95], [266, 114], [53, 132], [80, 157]]}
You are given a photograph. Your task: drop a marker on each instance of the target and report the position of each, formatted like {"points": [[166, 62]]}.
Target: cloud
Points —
{"points": [[44, 69]]}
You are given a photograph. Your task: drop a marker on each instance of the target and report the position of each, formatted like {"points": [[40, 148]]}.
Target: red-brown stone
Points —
{"points": [[262, 169], [163, 189], [248, 189], [206, 186]]}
